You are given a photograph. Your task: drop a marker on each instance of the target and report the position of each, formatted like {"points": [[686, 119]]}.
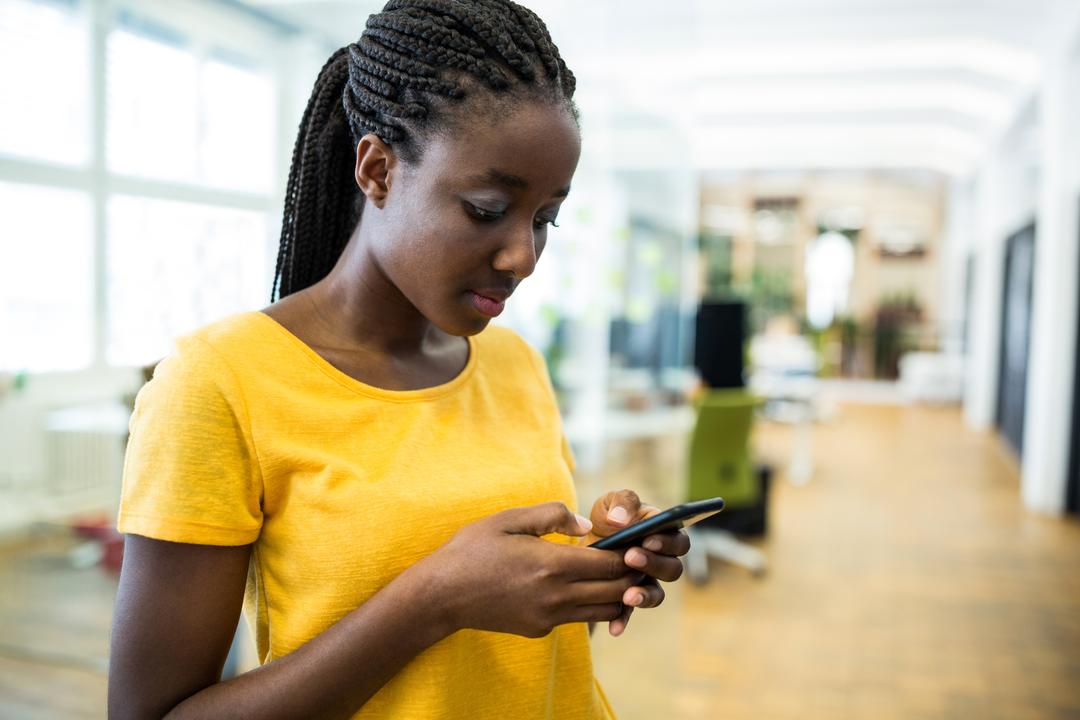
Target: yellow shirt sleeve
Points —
{"points": [[540, 366], [190, 471]]}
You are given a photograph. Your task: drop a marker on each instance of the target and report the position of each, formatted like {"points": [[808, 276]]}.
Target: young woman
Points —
{"points": [[379, 475]]}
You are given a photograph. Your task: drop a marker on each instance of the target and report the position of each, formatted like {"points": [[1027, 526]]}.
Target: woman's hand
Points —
{"points": [[497, 574], [657, 559]]}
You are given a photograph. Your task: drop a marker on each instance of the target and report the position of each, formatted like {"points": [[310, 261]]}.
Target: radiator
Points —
{"points": [[84, 449]]}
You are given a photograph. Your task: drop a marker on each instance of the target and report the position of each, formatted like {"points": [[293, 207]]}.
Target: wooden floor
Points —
{"points": [[905, 581], [54, 627]]}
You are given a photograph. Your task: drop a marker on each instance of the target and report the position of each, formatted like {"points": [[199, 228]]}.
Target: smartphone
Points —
{"points": [[680, 516]]}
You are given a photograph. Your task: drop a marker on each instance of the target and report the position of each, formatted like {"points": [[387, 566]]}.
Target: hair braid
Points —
{"points": [[541, 41], [441, 56], [401, 80], [483, 21], [508, 17], [437, 33], [368, 56], [323, 134]]}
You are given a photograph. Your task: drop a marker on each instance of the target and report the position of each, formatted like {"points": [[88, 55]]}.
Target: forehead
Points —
{"points": [[537, 142]]}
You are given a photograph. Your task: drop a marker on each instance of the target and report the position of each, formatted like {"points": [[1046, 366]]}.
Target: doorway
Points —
{"points": [[1072, 487], [1015, 336]]}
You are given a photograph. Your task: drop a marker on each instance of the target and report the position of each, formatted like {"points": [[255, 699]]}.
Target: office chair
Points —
{"points": [[720, 464]]}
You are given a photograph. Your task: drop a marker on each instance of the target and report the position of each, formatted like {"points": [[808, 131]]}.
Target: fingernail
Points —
{"points": [[636, 558], [652, 544], [584, 522], [636, 599], [618, 515]]}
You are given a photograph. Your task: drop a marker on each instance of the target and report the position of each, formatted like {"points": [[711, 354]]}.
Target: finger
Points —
{"points": [[647, 511], [675, 543], [661, 567], [618, 626], [542, 519], [599, 612], [579, 563], [592, 592], [644, 596], [614, 511]]}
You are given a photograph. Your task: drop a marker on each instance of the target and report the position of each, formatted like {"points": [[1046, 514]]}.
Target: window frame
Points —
{"points": [[209, 27]]}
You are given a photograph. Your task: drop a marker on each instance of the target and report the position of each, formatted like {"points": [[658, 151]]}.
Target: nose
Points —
{"points": [[519, 252]]}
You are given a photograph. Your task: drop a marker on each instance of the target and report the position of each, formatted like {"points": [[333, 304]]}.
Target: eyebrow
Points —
{"points": [[512, 181]]}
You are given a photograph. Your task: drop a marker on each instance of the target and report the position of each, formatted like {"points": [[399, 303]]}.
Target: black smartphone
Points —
{"points": [[680, 516]]}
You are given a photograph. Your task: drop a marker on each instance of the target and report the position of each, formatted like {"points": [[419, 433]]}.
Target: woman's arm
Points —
{"points": [[178, 605], [175, 616]]}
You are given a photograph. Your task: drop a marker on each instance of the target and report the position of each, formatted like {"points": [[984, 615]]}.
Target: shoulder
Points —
{"points": [[510, 356], [207, 361], [507, 345], [216, 346], [231, 337]]}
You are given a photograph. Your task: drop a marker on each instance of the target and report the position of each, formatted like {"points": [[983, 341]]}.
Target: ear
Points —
{"points": [[375, 162]]}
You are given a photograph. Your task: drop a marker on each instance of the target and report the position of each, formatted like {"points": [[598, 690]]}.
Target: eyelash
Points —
{"points": [[482, 215]]}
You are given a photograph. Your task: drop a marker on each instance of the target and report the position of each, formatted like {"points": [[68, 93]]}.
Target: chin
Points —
{"points": [[462, 326], [462, 319], [476, 327]]}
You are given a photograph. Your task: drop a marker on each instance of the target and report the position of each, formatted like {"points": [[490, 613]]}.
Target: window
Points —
{"points": [[46, 279], [173, 115], [173, 266], [45, 85], [107, 256], [238, 127], [152, 114]]}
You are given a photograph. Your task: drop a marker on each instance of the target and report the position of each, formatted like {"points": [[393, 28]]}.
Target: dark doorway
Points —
{"points": [[1015, 336], [1072, 487]]}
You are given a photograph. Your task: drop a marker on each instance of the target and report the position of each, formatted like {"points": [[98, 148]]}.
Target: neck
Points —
{"points": [[359, 307]]}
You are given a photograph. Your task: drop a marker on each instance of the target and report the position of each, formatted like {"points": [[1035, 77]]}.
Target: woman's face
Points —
{"points": [[470, 219]]}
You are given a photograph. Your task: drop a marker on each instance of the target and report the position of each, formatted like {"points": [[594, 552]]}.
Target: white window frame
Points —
{"points": [[282, 51]]}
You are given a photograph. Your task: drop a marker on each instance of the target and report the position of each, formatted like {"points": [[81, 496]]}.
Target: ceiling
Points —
{"points": [[786, 84]]}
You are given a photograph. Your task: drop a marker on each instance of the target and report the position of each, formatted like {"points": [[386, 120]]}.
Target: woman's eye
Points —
{"points": [[541, 222], [479, 213]]}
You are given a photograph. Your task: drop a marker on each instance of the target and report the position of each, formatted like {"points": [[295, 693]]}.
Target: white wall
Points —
{"points": [[1048, 424], [957, 247], [1034, 174], [1005, 199]]}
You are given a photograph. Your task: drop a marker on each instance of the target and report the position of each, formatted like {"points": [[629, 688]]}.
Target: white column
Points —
{"points": [[984, 324], [1048, 418], [587, 302], [959, 240], [99, 29], [590, 344]]}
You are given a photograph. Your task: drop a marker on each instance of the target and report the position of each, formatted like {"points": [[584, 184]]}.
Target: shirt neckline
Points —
{"points": [[349, 382]]}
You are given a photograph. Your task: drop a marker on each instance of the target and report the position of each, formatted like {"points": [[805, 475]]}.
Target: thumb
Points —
{"points": [[538, 520], [615, 511]]}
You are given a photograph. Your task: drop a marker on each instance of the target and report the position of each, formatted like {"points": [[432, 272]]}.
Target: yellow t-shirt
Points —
{"points": [[247, 435]]}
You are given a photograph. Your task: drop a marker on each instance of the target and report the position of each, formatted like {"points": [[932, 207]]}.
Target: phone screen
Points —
{"points": [[674, 518]]}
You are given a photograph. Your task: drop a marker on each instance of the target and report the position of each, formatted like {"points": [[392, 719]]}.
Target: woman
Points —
{"points": [[382, 479]]}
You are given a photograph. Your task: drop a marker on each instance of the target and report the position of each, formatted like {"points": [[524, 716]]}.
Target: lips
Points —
{"points": [[498, 294], [489, 302]]}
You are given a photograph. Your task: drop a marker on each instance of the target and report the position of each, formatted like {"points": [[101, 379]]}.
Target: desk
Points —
{"points": [[792, 399]]}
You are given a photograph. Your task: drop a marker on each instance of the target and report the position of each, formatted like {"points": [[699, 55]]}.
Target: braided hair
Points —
{"points": [[410, 72]]}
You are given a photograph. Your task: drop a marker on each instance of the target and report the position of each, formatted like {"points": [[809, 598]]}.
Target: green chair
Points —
{"points": [[720, 465]]}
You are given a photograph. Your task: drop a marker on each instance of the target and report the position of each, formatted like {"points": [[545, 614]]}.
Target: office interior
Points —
{"points": [[862, 217]]}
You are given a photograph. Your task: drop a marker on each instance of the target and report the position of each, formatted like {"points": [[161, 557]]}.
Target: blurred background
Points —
{"points": [[821, 257]]}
